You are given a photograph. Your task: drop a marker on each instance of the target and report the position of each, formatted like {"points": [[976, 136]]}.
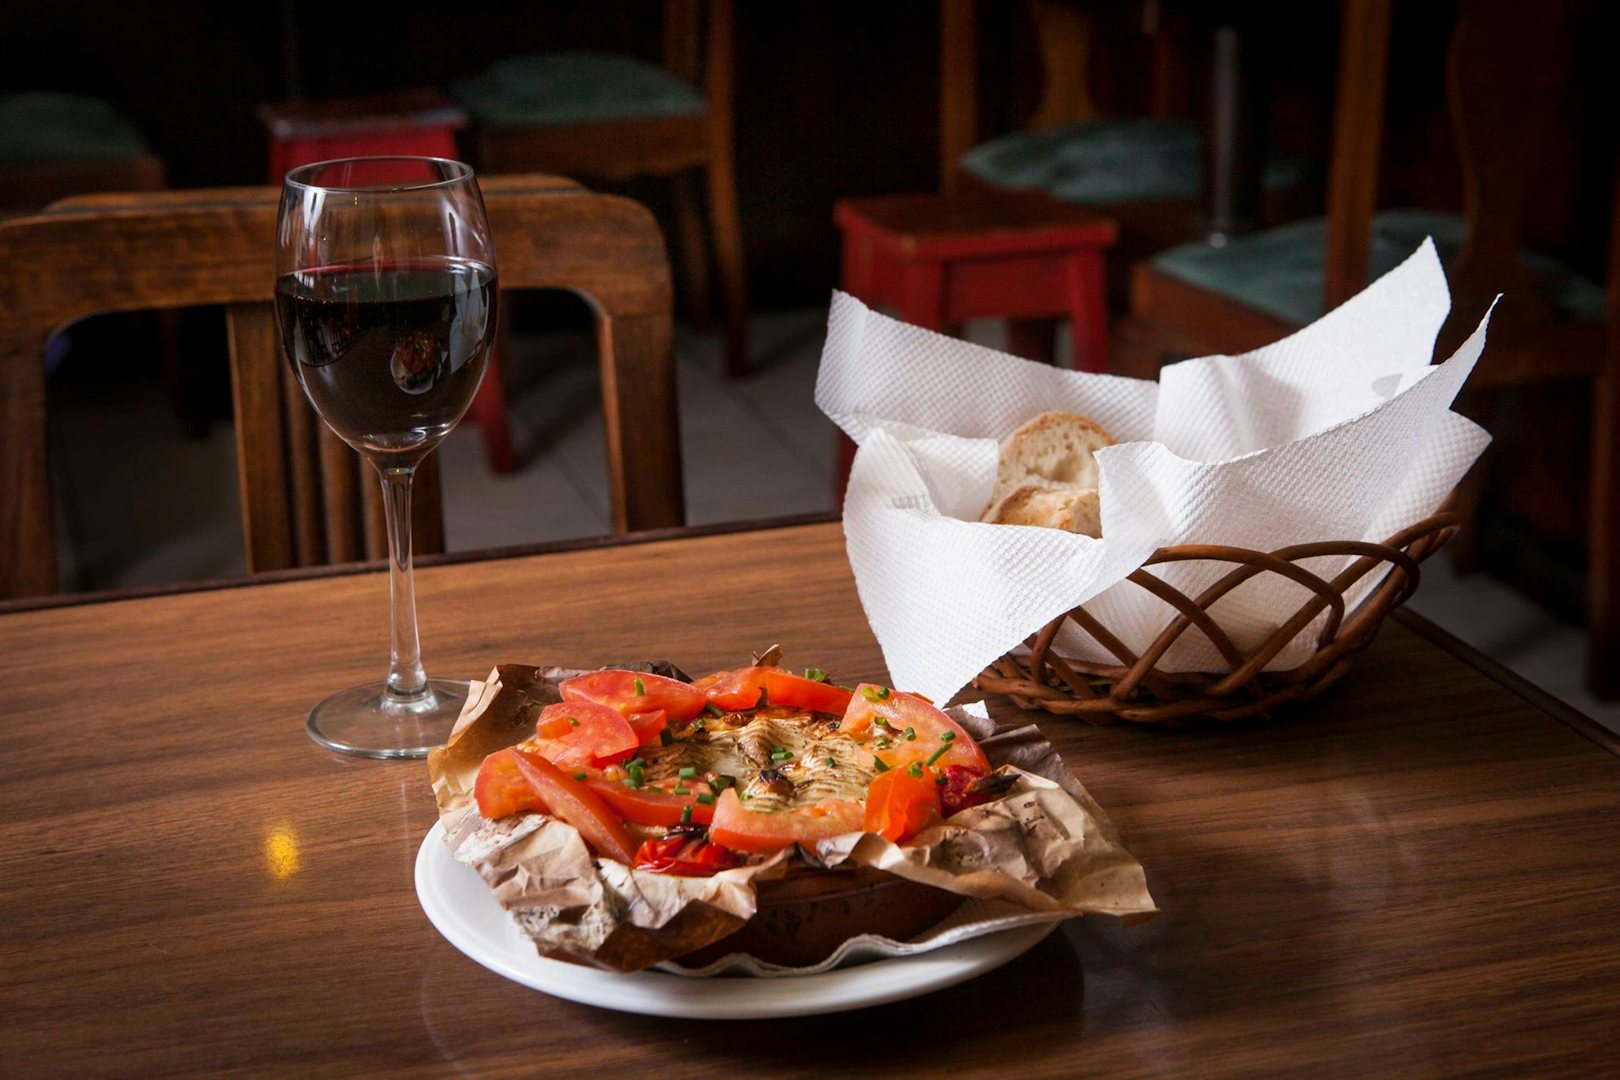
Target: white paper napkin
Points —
{"points": [[1340, 431]]}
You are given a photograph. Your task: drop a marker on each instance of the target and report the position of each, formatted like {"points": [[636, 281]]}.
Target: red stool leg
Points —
{"points": [[1088, 311], [488, 410]]}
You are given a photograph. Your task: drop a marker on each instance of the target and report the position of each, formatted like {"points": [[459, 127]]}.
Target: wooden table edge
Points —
{"points": [[1509, 679], [449, 558]]}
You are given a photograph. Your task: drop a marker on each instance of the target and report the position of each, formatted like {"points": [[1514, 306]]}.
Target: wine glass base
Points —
{"points": [[371, 721]]}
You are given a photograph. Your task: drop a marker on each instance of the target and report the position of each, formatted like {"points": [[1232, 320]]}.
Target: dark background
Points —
{"points": [[832, 98]]}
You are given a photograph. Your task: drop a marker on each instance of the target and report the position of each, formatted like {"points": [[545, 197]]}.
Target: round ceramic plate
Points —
{"points": [[462, 908]]}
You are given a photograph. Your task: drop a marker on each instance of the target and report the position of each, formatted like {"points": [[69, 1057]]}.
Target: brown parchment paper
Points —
{"points": [[1045, 846]]}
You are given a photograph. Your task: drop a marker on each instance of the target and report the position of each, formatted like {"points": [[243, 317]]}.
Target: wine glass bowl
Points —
{"points": [[386, 300]]}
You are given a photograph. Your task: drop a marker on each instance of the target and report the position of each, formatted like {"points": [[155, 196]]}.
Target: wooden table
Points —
{"points": [[1416, 875]]}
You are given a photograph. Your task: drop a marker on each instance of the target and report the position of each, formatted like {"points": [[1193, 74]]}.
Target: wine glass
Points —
{"points": [[385, 304]]}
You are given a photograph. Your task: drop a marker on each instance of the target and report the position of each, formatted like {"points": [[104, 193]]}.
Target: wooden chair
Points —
{"points": [[1181, 305], [306, 497], [687, 132]]}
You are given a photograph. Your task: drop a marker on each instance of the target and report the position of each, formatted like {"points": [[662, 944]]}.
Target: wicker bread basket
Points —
{"points": [[1135, 690]]}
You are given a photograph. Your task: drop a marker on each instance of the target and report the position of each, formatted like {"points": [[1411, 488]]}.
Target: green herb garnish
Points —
{"points": [[781, 753], [641, 688], [573, 722], [712, 709], [579, 776], [723, 781], [687, 772], [940, 780], [680, 789], [706, 799], [686, 815], [911, 735], [877, 763], [937, 754], [832, 763], [949, 736], [874, 693], [915, 770], [883, 742], [815, 674]]}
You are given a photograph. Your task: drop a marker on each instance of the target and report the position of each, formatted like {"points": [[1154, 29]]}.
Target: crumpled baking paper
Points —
{"points": [[1342, 431], [1045, 851]]}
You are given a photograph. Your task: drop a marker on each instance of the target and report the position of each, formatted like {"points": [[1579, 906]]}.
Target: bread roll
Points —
{"points": [[1054, 450], [1077, 510]]}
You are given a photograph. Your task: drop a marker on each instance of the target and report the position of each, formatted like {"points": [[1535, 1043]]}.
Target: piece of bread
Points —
{"points": [[1074, 509], [1054, 450]]}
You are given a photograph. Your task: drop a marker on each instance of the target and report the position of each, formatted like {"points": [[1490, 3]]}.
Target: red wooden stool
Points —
{"points": [[939, 260], [415, 123]]}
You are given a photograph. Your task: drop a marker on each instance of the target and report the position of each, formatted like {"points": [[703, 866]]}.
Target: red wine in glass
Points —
{"points": [[390, 354]]}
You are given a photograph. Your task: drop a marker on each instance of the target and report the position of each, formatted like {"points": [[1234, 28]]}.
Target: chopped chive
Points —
{"points": [[915, 770], [687, 772], [573, 722], [911, 734], [686, 815], [637, 773], [877, 763], [723, 781], [874, 693], [937, 754], [940, 780], [712, 709], [641, 688], [706, 799], [697, 725], [949, 736], [815, 674], [883, 742], [579, 776], [832, 763], [666, 736], [636, 763], [781, 753], [680, 789]]}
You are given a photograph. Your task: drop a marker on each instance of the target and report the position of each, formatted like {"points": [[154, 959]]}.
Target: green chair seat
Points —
{"points": [[1279, 271], [1109, 161], [553, 89], [43, 125]]}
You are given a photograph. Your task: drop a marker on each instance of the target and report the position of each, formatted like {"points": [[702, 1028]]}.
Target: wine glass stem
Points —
{"points": [[405, 675]]}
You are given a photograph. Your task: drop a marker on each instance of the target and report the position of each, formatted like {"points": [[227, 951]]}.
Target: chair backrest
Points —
{"points": [[303, 499], [1502, 75], [1065, 35]]}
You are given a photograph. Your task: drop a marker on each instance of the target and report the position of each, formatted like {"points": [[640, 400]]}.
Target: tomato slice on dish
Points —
{"points": [[636, 692], [901, 728], [647, 725], [648, 805], [688, 856], [581, 733], [741, 829], [741, 689], [502, 790], [899, 805], [569, 800]]}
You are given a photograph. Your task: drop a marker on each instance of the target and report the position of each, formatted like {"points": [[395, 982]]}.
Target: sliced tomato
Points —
{"points": [[582, 733], [647, 725], [501, 789], [636, 692], [647, 805], [741, 689], [882, 718], [899, 804], [688, 856], [569, 800], [765, 834]]}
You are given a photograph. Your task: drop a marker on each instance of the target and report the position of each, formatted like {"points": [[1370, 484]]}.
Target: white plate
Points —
{"points": [[463, 909]]}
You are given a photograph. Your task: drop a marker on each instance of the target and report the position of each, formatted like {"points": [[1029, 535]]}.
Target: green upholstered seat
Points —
{"points": [[1279, 271], [1108, 161], [43, 125], [552, 89]]}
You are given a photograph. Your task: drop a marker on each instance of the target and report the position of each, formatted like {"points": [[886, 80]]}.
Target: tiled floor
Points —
{"points": [[142, 503]]}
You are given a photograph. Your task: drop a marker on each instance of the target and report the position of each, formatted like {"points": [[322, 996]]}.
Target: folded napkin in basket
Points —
{"points": [[1342, 431]]}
